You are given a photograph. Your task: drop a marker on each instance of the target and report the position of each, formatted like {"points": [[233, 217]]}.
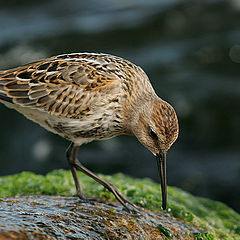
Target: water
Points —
{"points": [[191, 53]]}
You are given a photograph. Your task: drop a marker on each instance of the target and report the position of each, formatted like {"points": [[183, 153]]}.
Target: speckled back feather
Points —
{"points": [[66, 84]]}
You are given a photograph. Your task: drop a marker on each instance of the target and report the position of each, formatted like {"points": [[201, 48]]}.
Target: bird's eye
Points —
{"points": [[153, 134]]}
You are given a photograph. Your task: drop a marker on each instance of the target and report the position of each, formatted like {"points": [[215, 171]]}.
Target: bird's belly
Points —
{"points": [[35, 115], [97, 126]]}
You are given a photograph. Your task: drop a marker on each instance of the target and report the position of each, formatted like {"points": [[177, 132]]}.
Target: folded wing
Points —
{"points": [[66, 85]]}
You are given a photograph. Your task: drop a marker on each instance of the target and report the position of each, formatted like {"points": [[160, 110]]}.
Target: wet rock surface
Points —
{"points": [[56, 217]]}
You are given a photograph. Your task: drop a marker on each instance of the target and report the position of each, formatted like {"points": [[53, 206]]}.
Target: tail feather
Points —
{"points": [[5, 98], [3, 94]]}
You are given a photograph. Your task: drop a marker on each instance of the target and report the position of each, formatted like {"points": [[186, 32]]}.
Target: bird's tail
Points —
{"points": [[5, 77]]}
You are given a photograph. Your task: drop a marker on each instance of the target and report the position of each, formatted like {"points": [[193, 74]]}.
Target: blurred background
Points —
{"points": [[191, 53]]}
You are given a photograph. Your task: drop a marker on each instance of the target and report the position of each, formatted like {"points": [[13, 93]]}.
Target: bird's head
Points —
{"points": [[156, 127]]}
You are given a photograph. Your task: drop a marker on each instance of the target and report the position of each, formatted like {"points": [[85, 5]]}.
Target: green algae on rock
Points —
{"points": [[203, 236], [216, 218], [168, 233]]}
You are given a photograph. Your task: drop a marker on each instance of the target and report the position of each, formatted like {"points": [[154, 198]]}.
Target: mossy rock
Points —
{"points": [[216, 220]]}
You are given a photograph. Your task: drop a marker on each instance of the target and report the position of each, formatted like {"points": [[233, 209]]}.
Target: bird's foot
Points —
{"points": [[127, 204], [85, 198]]}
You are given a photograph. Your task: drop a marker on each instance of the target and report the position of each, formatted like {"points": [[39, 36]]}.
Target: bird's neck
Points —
{"points": [[140, 103]]}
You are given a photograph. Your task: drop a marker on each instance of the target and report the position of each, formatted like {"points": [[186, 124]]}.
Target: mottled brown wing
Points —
{"points": [[65, 85]]}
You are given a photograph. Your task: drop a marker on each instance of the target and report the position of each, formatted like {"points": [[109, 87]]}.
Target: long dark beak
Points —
{"points": [[161, 161]]}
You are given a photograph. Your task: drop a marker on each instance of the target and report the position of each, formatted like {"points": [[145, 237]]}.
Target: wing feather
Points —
{"points": [[66, 85]]}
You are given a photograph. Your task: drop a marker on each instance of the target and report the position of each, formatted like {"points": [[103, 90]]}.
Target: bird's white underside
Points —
{"points": [[47, 120]]}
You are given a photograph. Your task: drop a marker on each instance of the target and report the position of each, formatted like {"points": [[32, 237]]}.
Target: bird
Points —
{"points": [[93, 96]]}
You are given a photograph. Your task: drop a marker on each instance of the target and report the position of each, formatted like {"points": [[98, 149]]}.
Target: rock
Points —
{"points": [[29, 214], [57, 217]]}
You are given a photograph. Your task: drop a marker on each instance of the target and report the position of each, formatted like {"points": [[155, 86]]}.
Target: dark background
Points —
{"points": [[191, 53]]}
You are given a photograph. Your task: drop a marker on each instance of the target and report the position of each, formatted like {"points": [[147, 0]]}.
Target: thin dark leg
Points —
{"points": [[75, 164], [71, 154]]}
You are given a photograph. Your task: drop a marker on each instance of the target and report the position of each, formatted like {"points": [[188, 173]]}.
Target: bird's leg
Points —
{"points": [[71, 155], [75, 164]]}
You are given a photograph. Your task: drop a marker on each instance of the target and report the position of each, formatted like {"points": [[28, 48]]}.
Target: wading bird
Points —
{"points": [[86, 96]]}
